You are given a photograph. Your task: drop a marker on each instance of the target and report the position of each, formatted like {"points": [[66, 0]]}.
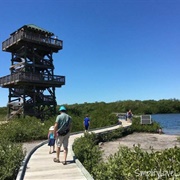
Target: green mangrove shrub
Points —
{"points": [[23, 130], [114, 134], [127, 163], [87, 151], [138, 164], [138, 127], [11, 157]]}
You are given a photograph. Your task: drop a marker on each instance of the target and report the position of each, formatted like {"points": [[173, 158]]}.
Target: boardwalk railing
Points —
{"points": [[146, 119]]}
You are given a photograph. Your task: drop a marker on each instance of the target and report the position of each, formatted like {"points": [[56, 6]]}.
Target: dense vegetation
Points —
{"points": [[126, 163], [11, 156], [102, 114], [99, 110], [129, 164]]}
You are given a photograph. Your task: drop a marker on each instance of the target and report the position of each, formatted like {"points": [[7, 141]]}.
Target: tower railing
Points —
{"points": [[31, 77], [25, 35]]}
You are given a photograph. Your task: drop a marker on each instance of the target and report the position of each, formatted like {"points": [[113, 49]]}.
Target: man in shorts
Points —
{"points": [[62, 130]]}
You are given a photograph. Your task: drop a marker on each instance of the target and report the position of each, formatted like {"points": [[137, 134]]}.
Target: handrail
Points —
{"points": [[16, 112], [22, 76], [25, 35]]}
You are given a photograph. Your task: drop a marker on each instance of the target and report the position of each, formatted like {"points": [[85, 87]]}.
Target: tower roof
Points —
{"points": [[33, 27]]}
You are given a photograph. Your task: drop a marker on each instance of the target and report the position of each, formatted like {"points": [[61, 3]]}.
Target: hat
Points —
{"points": [[51, 128], [62, 108]]}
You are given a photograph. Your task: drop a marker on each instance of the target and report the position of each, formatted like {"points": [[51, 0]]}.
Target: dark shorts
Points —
{"points": [[86, 127], [51, 142]]}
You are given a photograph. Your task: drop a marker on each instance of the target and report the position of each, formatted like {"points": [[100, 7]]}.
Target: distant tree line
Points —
{"points": [[138, 107], [101, 112]]}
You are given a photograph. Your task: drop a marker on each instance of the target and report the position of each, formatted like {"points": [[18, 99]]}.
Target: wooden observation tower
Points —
{"points": [[32, 82]]}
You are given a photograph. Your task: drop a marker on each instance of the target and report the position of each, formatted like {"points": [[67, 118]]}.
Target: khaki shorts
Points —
{"points": [[63, 140]]}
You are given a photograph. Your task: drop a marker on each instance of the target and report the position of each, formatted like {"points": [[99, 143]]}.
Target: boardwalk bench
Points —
{"points": [[146, 119]]}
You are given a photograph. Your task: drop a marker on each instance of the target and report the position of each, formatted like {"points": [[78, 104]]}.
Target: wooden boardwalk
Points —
{"points": [[41, 166]]}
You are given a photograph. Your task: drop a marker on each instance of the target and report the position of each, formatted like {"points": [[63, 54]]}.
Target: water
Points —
{"points": [[169, 122]]}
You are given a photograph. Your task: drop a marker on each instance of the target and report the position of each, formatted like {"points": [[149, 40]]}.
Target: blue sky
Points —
{"points": [[113, 49]]}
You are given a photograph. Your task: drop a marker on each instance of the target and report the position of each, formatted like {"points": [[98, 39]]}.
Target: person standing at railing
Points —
{"points": [[55, 39], [129, 116], [47, 39]]}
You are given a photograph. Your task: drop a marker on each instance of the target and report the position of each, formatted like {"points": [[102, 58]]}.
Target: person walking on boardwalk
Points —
{"points": [[86, 123], [62, 130], [51, 139]]}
